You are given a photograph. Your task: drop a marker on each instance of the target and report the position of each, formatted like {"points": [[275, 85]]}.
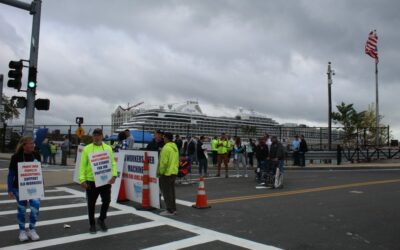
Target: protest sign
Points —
{"points": [[30, 180], [119, 159], [101, 167], [78, 164], [133, 176]]}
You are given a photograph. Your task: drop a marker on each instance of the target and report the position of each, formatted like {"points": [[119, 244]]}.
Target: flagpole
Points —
{"points": [[377, 104]]}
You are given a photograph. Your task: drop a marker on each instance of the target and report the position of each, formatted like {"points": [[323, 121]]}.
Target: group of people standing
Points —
{"points": [[48, 151], [26, 152], [300, 148]]}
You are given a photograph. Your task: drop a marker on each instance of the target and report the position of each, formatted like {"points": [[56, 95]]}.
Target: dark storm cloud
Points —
{"points": [[270, 56]]}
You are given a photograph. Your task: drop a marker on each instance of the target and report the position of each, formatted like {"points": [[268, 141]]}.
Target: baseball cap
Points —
{"points": [[97, 131], [168, 135]]}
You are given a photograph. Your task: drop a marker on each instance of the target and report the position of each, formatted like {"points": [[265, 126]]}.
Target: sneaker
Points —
{"points": [[92, 229], [102, 225], [33, 235], [246, 175], [167, 213], [23, 236]]}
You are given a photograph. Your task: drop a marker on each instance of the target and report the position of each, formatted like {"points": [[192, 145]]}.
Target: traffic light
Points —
{"points": [[32, 78], [42, 104], [20, 101], [15, 74]]}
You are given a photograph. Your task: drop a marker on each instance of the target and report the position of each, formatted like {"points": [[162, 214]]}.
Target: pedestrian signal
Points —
{"points": [[42, 104], [19, 101]]}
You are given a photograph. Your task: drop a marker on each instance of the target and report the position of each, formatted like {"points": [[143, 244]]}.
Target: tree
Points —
{"points": [[10, 110], [359, 127], [368, 123], [349, 118]]}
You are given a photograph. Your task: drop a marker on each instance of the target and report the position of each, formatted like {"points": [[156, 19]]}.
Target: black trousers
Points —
{"points": [[92, 193], [214, 157], [250, 156], [167, 186]]}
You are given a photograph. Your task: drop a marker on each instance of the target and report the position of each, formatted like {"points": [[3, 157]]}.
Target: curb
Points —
{"points": [[342, 168]]}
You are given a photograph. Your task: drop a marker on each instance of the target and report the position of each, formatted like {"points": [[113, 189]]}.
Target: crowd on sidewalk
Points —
{"points": [[225, 150]]}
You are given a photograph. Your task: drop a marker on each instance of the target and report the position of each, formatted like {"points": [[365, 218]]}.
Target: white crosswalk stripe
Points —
{"points": [[198, 235]]}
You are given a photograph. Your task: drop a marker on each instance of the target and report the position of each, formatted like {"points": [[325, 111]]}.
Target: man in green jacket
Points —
{"points": [[222, 147], [167, 172], [214, 150], [104, 153]]}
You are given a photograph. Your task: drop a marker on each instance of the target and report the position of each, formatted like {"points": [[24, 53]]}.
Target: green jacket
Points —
{"points": [[169, 160], [53, 148], [214, 143], [85, 170], [222, 146]]}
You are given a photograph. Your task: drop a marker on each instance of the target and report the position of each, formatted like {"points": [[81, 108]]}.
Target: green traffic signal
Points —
{"points": [[31, 85], [32, 78]]}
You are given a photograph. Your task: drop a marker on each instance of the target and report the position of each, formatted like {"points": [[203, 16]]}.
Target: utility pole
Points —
{"points": [[1, 93], [34, 9], [1, 98], [330, 73]]}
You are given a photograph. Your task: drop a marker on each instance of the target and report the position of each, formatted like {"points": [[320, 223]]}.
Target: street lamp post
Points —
{"points": [[330, 73]]}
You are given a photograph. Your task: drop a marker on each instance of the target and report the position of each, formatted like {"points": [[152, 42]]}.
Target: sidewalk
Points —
{"points": [[70, 160], [389, 163]]}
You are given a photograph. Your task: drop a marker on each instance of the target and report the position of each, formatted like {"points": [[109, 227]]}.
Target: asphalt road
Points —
{"points": [[349, 209]]}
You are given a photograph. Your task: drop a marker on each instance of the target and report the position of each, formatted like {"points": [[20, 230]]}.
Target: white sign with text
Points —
{"points": [[30, 180], [101, 167]]}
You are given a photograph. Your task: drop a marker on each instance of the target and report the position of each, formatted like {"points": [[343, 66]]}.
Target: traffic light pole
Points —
{"points": [[33, 59], [34, 9]]}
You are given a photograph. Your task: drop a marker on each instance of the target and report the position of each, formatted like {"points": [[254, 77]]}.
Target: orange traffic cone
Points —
{"points": [[201, 200], [146, 183], [122, 193]]}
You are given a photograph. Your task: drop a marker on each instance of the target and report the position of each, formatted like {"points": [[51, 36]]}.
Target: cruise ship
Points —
{"points": [[187, 119]]}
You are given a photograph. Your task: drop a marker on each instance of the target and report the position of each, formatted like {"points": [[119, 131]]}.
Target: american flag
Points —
{"points": [[371, 46]]}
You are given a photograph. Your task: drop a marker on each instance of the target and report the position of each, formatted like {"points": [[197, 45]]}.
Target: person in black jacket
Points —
{"points": [[302, 151], [202, 156], [179, 143], [157, 143], [262, 153], [189, 149], [24, 153]]}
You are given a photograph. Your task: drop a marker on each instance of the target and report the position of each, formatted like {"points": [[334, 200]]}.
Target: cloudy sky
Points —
{"points": [[270, 56]]}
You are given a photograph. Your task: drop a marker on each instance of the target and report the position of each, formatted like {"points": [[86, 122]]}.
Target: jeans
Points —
{"points": [[239, 158], [250, 156], [45, 158], [21, 210], [296, 159], [53, 159], [203, 164], [281, 165], [261, 168]]}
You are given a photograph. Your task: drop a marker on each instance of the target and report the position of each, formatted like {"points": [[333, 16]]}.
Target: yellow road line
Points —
{"points": [[301, 191]]}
